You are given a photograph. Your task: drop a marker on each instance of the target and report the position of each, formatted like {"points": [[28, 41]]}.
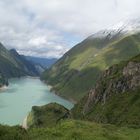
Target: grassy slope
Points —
{"points": [[71, 130], [77, 71], [47, 115], [14, 65], [120, 109]]}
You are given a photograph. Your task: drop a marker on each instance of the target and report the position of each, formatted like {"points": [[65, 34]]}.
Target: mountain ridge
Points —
{"points": [[85, 62], [44, 62], [14, 65]]}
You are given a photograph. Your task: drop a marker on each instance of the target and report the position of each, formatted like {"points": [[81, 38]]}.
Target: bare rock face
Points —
{"points": [[115, 80], [132, 70]]}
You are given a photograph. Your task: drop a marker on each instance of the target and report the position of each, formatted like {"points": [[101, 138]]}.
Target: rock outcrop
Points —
{"points": [[113, 81], [115, 96], [47, 115]]}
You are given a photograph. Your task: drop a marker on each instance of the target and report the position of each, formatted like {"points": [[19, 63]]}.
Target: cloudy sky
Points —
{"points": [[48, 28]]}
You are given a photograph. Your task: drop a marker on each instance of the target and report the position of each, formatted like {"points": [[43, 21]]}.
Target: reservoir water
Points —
{"points": [[17, 100]]}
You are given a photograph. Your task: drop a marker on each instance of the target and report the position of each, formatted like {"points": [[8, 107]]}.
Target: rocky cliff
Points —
{"points": [[116, 96]]}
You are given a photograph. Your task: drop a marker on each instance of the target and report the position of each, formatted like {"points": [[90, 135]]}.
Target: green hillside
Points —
{"points": [[77, 71], [116, 96], [14, 65], [47, 116], [71, 130]]}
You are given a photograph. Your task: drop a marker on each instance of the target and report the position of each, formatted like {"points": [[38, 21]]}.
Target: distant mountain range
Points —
{"points": [[44, 62]]}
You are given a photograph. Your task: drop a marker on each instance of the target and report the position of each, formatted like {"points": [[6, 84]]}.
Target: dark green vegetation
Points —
{"points": [[115, 98], [71, 130], [47, 115], [14, 65], [77, 71]]}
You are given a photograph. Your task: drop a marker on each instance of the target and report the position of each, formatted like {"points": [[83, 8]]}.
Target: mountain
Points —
{"points": [[14, 65], [29, 66], [44, 62], [24, 64], [115, 98], [73, 75]]}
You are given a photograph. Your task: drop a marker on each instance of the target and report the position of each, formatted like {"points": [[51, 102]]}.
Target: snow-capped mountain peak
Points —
{"points": [[121, 28]]}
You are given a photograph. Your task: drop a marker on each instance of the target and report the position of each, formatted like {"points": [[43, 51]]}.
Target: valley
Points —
{"points": [[101, 75], [69, 70]]}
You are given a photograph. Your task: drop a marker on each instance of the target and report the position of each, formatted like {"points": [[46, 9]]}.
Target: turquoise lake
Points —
{"points": [[19, 97]]}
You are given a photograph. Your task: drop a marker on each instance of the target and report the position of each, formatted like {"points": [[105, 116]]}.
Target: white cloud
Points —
{"points": [[38, 41], [49, 52], [52, 25]]}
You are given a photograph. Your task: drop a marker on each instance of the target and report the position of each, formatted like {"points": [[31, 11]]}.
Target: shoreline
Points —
{"points": [[68, 99], [53, 91], [32, 77], [49, 87]]}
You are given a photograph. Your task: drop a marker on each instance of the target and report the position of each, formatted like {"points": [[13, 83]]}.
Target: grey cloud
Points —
{"points": [[40, 26]]}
